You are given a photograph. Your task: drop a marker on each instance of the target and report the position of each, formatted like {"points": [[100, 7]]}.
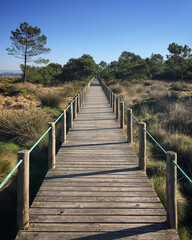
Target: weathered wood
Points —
{"points": [[23, 191], [95, 212], [97, 190], [171, 190], [100, 235], [63, 127], [51, 146], [121, 114], [117, 108], [142, 146], [71, 116], [114, 97], [129, 126]]}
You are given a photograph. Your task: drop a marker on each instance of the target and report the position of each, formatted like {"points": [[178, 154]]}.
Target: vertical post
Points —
{"points": [[117, 108], [78, 102], [51, 146], [121, 114], [63, 127], [74, 113], [75, 108], [114, 102], [71, 115], [23, 191], [111, 98], [129, 126], [81, 97], [171, 190], [142, 146]]}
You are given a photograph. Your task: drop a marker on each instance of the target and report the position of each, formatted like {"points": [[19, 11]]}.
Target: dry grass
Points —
{"points": [[166, 108], [49, 99], [23, 127], [29, 87]]}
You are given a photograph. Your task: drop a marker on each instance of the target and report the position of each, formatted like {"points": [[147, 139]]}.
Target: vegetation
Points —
{"points": [[131, 67], [166, 109], [158, 90], [25, 112], [50, 100], [27, 43]]}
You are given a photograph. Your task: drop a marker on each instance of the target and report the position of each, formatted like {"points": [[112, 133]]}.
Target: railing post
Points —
{"points": [[51, 146], [171, 190], [23, 191], [114, 102], [129, 126], [63, 127], [121, 114], [75, 108], [81, 98], [117, 108], [74, 113], [78, 102], [111, 98], [142, 146], [71, 116]]}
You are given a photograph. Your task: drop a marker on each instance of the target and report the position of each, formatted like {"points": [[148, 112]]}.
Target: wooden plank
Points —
{"points": [[96, 219], [124, 235], [97, 193], [92, 227], [97, 190], [43, 198], [150, 205], [95, 212]]}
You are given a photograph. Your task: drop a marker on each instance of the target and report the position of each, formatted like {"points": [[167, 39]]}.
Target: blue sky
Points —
{"points": [[101, 28]]}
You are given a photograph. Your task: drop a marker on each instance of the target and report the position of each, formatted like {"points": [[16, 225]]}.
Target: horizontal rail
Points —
{"points": [[31, 149], [155, 141], [68, 107], [11, 173], [181, 170], [135, 118], [58, 118]]}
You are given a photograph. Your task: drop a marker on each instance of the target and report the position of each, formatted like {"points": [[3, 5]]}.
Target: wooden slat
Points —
{"points": [[96, 190]]}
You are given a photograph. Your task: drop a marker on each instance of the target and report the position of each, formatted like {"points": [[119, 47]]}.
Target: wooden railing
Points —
{"points": [[171, 157], [67, 117]]}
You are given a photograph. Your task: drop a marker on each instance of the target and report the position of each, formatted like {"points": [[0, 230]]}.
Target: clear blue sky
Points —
{"points": [[101, 28]]}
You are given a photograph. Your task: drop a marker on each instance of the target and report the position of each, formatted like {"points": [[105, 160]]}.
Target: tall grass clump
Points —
{"points": [[50, 99], [20, 87], [23, 127]]}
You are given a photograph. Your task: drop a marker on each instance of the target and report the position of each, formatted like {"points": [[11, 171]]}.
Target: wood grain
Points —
{"points": [[96, 190]]}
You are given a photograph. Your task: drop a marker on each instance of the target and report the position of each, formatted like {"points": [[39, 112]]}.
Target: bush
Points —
{"points": [[179, 86], [23, 88], [23, 127], [50, 99]]}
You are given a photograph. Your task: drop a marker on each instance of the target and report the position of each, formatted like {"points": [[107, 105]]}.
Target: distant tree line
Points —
{"points": [[129, 66], [177, 66], [27, 42]]}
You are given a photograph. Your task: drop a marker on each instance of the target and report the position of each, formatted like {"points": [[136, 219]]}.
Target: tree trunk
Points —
{"points": [[25, 66]]}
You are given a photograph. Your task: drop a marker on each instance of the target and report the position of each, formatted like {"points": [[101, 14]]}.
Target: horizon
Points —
{"points": [[102, 29]]}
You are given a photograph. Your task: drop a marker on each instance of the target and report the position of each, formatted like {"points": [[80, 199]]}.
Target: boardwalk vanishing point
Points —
{"points": [[96, 190]]}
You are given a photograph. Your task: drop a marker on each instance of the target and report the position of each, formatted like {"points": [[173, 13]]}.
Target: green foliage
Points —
{"points": [[156, 66], [27, 43], [79, 68], [49, 99], [179, 59], [44, 75]]}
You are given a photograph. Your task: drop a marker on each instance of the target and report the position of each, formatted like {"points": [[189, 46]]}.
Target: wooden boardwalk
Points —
{"points": [[96, 190]]}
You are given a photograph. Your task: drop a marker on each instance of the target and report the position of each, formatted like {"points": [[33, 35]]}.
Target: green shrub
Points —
{"points": [[50, 100]]}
